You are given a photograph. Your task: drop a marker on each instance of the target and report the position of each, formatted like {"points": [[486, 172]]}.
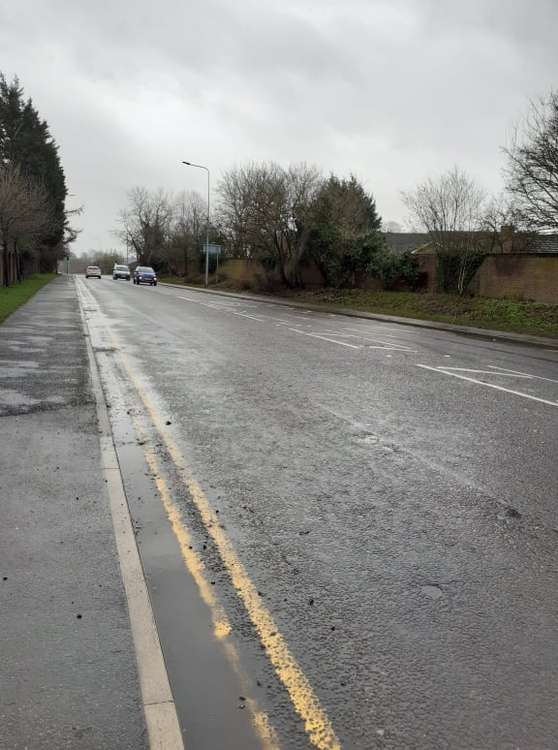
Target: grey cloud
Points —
{"points": [[390, 90]]}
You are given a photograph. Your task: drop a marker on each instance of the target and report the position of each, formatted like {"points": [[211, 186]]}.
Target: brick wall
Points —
{"points": [[518, 276], [427, 265]]}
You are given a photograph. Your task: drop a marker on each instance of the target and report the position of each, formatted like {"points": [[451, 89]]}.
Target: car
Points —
{"points": [[145, 275], [120, 272], [93, 271]]}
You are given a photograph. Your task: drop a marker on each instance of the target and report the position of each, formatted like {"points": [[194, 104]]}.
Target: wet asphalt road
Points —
{"points": [[398, 519]]}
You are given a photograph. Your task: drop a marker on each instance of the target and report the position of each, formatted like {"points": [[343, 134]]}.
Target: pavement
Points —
{"points": [[347, 526], [68, 668], [367, 511]]}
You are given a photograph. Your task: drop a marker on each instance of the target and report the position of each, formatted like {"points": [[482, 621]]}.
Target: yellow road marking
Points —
{"points": [[196, 567], [306, 703], [221, 625]]}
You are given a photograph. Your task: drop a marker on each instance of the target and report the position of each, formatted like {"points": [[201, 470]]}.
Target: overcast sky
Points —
{"points": [[393, 91]]}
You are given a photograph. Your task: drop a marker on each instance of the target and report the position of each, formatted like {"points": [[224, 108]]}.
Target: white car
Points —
{"points": [[120, 272], [93, 271]]}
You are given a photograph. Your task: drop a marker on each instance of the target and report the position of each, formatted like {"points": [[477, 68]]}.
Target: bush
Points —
{"points": [[395, 270]]}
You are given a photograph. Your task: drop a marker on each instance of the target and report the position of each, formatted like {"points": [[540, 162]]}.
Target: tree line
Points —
{"points": [[34, 225], [288, 217], [281, 217], [465, 223]]}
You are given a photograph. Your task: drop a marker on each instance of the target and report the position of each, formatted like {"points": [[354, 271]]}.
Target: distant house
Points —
{"points": [[406, 242], [542, 243], [507, 241]]}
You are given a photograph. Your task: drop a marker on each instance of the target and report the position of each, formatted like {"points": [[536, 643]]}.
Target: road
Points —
{"points": [[348, 527]]}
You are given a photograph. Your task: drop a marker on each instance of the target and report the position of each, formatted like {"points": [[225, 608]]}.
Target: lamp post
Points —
{"points": [[200, 166]]}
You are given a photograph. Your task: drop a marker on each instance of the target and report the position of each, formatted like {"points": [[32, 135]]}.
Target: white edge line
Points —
{"points": [[324, 338], [509, 374], [158, 703], [490, 385], [525, 374]]}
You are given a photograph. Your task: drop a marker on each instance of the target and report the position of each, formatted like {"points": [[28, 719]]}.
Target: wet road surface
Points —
{"points": [[348, 527]]}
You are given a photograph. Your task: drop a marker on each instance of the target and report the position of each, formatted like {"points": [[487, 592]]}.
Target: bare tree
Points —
{"points": [[146, 223], [451, 210], [265, 213], [236, 209], [187, 233], [532, 170], [26, 215], [392, 226], [503, 224]]}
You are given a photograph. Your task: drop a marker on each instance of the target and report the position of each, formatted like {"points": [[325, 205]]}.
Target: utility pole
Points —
{"points": [[200, 166]]}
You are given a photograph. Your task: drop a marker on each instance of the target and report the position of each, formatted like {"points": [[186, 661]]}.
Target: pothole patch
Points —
{"points": [[431, 591]]}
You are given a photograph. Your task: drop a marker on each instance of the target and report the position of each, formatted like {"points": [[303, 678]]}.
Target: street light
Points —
{"points": [[200, 166]]}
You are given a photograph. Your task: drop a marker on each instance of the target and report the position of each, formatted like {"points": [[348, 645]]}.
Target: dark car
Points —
{"points": [[120, 272], [145, 275]]}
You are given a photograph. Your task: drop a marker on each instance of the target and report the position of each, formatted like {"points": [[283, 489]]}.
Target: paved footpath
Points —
{"points": [[67, 666]]}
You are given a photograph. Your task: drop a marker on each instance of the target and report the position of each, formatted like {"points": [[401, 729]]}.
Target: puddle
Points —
{"points": [[10, 397], [19, 363], [55, 400]]}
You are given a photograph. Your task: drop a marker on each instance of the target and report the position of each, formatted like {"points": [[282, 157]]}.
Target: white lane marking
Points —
{"points": [[324, 338], [244, 315], [365, 334], [489, 385], [384, 344], [371, 328], [391, 349], [524, 374], [509, 374], [189, 299]]}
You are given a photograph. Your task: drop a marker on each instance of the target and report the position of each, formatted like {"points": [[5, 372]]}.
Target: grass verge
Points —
{"points": [[14, 296], [515, 316]]}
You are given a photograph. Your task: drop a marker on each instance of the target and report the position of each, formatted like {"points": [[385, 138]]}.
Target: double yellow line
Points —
{"points": [[304, 700]]}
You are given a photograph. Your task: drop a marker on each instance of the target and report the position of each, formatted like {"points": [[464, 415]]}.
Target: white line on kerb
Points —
{"points": [[490, 385], [324, 338]]}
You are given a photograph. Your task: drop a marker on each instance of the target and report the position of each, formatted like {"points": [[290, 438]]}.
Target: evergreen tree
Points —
{"points": [[345, 240], [26, 142]]}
